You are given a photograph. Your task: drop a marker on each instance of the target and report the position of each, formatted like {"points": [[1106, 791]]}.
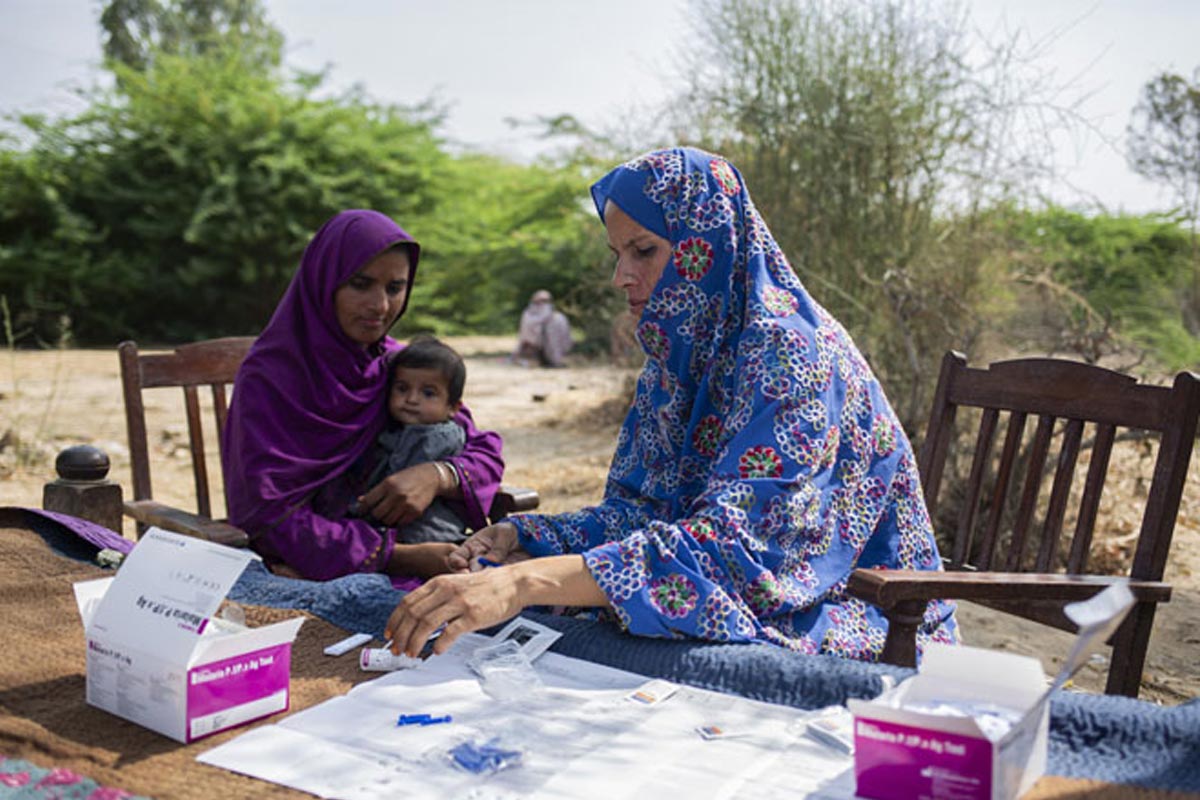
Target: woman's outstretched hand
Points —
{"points": [[403, 496], [496, 543], [469, 601], [462, 603]]}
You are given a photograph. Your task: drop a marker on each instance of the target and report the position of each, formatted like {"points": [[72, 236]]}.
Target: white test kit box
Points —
{"points": [[158, 656], [972, 724]]}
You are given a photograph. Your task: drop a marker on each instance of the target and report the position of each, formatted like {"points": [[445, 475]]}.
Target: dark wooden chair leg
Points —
{"points": [[904, 618], [1129, 651]]}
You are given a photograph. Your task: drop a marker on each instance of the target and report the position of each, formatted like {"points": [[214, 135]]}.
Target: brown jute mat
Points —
{"points": [[43, 715], [44, 719]]}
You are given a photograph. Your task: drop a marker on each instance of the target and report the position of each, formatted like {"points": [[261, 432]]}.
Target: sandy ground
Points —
{"points": [[559, 429]]}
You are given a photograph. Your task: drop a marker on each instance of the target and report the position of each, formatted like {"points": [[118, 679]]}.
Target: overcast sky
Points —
{"points": [[492, 59]]}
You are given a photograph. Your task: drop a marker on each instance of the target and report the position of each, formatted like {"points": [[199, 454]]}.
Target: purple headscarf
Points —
{"points": [[314, 391], [307, 404]]}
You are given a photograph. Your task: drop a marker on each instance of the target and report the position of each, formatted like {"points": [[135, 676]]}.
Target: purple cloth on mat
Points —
{"points": [[98, 535]]}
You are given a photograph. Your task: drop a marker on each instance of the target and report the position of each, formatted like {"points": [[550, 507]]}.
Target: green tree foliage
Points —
{"points": [[1164, 146], [502, 232], [1104, 285], [135, 32], [178, 205]]}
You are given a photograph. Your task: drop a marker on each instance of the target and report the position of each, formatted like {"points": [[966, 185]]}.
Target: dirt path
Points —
{"points": [[559, 429]]}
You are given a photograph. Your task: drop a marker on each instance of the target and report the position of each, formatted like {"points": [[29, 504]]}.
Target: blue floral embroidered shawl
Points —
{"points": [[760, 462]]}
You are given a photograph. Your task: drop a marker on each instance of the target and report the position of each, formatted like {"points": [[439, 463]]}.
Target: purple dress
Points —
{"points": [[307, 404]]}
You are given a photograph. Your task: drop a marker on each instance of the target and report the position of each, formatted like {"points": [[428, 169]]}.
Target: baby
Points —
{"points": [[425, 386]]}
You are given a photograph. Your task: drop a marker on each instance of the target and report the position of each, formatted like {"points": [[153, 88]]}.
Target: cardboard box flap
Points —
{"points": [[215, 648], [1098, 618], [166, 591], [87, 598], [973, 674], [885, 712]]}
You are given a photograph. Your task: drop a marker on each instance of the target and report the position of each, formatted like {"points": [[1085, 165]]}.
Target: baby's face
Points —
{"points": [[419, 397]]}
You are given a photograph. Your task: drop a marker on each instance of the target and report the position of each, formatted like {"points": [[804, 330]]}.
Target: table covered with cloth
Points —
{"points": [[1099, 745]]}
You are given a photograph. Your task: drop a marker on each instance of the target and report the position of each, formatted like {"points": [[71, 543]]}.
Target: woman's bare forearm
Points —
{"points": [[557, 581]]}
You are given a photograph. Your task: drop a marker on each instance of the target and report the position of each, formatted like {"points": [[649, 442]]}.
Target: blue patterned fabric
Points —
{"points": [[760, 462]]}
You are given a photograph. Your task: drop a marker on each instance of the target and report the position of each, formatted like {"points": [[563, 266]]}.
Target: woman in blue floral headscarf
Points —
{"points": [[759, 465]]}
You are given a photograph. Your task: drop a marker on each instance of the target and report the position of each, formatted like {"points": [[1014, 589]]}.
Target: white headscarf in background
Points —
{"points": [[544, 333]]}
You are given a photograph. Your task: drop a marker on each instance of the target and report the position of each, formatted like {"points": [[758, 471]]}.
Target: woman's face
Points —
{"points": [[641, 257], [369, 302]]}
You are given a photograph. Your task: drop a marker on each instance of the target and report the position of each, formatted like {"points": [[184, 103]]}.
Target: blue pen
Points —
{"points": [[487, 562]]}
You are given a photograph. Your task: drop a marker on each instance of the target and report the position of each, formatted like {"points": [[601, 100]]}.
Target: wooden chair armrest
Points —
{"points": [[902, 595], [173, 519], [511, 499], [886, 587]]}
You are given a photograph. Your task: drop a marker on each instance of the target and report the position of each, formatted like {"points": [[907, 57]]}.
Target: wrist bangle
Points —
{"points": [[454, 481]]}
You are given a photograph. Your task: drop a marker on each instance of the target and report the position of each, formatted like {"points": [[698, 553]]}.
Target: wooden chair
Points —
{"points": [[1016, 565], [213, 363]]}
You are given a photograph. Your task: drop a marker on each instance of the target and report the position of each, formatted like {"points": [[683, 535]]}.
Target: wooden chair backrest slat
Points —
{"points": [[1089, 506], [212, 363], [1069, 399], [1060, 490], [1012, 442]]}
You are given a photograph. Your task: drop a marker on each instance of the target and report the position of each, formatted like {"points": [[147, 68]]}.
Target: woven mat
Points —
{"points": [[43, 716], [44, 719]]}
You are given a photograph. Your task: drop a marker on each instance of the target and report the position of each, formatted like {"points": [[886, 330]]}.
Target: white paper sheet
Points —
{"points": [[579, 735]]}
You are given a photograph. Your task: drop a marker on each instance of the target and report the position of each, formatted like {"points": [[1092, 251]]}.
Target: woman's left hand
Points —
{"points": [[463, 603], [403, 496]]}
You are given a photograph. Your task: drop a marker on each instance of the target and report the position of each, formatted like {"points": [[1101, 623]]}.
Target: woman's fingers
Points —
{"points": [[466, 556], [402, 625], [450, 633], [462, 603], [459, 559]]}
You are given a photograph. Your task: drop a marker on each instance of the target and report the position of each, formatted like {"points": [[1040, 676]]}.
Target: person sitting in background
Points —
{"points": [[544, 336], [308, 404], [759, 465], [425, 391]]}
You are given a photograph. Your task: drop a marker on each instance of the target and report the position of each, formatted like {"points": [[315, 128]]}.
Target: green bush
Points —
{"points": [[178, 207], [1133, 272]]}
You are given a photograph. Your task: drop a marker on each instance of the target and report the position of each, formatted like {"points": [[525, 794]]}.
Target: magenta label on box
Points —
{"points": [[235, 681], [899, 762]]}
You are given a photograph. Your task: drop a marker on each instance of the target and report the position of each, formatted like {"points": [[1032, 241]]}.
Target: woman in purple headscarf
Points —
{"points": [[759, 464], [308, 402]]}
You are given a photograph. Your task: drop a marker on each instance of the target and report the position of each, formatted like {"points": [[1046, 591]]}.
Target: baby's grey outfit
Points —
{"points": [[408, 445]]}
